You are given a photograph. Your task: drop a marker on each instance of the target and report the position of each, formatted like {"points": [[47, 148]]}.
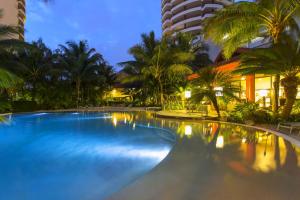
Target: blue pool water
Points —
{"points": [[74, 156]]}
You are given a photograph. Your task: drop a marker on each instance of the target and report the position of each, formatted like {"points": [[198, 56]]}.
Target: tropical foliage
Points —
{"points": [[71, 76], [161, 66], [244, 22], [214, 86], [283, 59]]}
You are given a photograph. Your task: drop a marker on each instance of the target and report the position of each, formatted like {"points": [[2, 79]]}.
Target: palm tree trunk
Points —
{"points": [[33, 94], [290, 85], [276, 85], [161, 94], [216, 106]]}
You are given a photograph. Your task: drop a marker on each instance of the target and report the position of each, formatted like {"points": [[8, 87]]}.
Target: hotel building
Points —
{"points": [[13, 14], [188, 15]]}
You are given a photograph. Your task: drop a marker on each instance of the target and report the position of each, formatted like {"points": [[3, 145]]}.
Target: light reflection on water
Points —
{"points": [[240, 150], [262, 151], [74, 156]]}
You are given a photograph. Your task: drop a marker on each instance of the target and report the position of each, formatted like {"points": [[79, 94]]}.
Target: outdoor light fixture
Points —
{"points": [[188, 130], [244, 140], [243, 78], [263, 94], [219, 91], [220, 142], [188, 94]]}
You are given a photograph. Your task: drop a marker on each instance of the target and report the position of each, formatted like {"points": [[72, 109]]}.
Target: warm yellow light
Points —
{"points": [[187, 94], [263, 93], [220, 142], [188, 130], [115, 121], [218, 88], [114, 92], [243, 78], [244, 140]]}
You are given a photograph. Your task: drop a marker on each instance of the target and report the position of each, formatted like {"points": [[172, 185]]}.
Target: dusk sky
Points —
{"points": [[111, 26]]}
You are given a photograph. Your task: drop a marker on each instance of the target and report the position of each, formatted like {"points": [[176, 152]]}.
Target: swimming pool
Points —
{"points": [[121, 156], [75, 155]]}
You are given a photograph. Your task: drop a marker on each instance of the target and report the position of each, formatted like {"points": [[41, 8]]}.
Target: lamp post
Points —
{"points": [[187, 96], [263, 94]]}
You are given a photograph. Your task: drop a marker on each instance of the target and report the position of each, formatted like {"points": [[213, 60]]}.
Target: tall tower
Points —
{"points": [[188, 15], [13, 14]]}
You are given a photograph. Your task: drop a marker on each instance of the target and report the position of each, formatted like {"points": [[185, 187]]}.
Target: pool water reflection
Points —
{"points": [[264, 151], [220, 161], [242, 163], [78, 156]]}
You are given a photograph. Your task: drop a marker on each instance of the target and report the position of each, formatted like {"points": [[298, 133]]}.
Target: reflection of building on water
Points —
{"points": [[263, 151], [266, 154]]}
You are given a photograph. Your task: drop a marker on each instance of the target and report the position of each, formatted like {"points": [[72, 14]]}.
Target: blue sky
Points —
{"points": [[111, 26]]}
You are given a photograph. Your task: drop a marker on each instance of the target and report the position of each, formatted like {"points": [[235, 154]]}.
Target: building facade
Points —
{"points": [[14, 14], [188, 15]]}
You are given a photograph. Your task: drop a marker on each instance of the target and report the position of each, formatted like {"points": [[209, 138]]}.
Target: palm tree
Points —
{"points": [[283, 59], [32, 64], [7, 79], [159, 62], [80, 62], [212, 84], [242, 22]]}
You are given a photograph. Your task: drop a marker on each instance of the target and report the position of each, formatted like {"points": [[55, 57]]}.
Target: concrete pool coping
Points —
{"points": [[144, 109]]}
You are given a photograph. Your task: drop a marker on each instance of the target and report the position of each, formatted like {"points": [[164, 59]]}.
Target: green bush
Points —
{"points": [[296, 108], [250, 113], [24, 106], [5, 106]]}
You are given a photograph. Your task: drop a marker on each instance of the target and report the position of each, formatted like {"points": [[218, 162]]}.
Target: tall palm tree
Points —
{"points": [[213, 84], [160, 62], [80, 62], [283, 59], [32, 64], [242, 22]]}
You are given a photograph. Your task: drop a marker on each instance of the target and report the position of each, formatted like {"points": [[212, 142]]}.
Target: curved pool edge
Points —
{"points": [[277, 133], [201, 119], [115, 109]]}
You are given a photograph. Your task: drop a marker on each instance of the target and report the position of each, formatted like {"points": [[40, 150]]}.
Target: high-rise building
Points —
{"points": [[13, 14], [188, 15]]}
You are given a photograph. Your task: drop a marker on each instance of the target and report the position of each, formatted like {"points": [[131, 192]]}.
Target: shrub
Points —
{"points": [[24, 106], [250, 113], [5, 106]]}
